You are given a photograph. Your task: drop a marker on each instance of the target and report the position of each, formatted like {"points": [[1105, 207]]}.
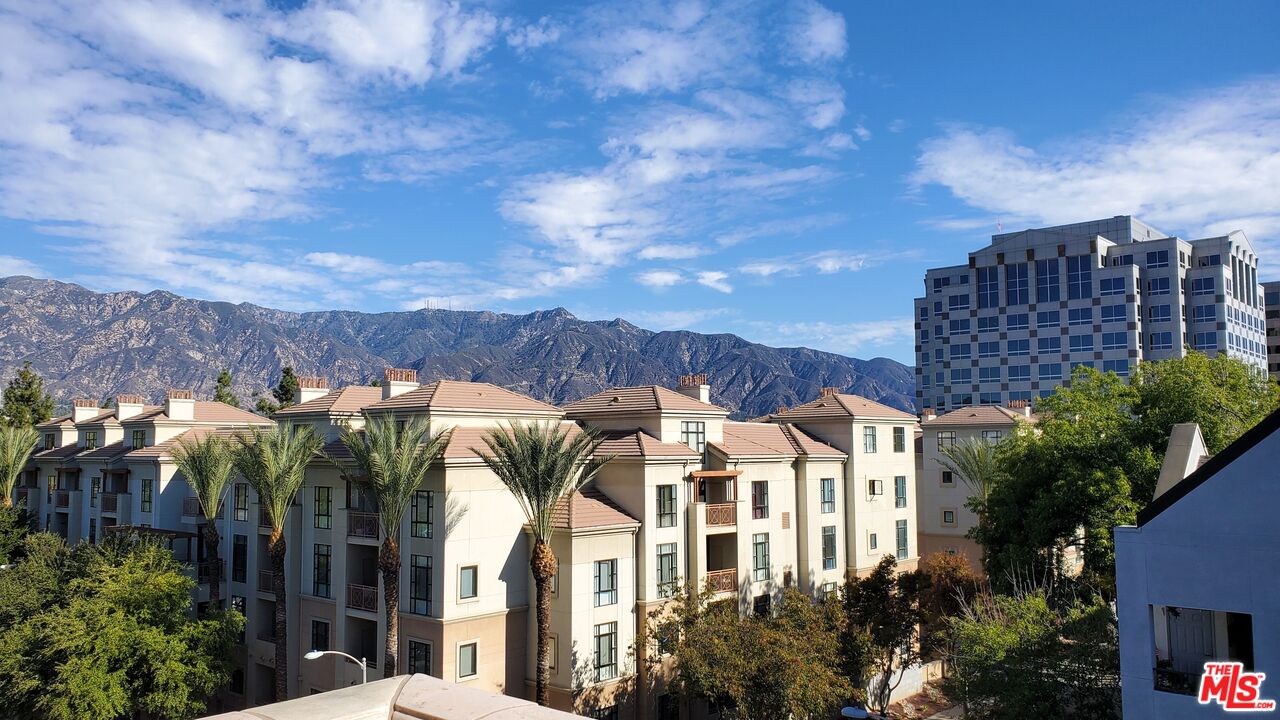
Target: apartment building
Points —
{"points": [[1194, 577], [689, 498], [941, 513], [1012, 323], [1271, 295]]}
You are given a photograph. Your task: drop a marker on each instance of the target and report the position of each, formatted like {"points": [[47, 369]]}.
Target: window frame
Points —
{"points": [[322, 508], [760, 554], [666, 505], [829, 560], [319, 588], [608, 633], [759, 499], [475, 582], [418, 527], [605, 585]]}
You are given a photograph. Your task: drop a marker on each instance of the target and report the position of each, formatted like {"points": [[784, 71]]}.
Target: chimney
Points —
{"points": [[310, 387], [397, 381], [128, 405], [83, 408], [828, 392], [696, 387], [180, 405], [928, 414], [1023, 406]]}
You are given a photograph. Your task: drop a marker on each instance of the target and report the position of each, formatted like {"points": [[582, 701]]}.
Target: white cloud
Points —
{"points": [[533, 36], [716, 280], [818, 34], [659, 279], [666, 251], [846, 338], [822, 100], [1199, 164], [10, 265], [825, 262], [674, 319]]}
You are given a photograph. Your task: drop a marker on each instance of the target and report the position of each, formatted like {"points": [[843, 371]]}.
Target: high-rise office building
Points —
{"points": [[1271, 291], [1013, 322]]}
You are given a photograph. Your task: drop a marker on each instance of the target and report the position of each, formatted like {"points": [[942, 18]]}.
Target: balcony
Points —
{"points": [[110, 502], [362, 597], [21, 498], [722, 514], [1171, 681], [264, 521], [723, 580], [268, 634], [191, 507], [62, 498], [362, 524], [209, 572], [264, 581]]}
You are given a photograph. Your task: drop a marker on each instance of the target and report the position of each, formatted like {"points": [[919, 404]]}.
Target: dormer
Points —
{"points": [[669, 415]]}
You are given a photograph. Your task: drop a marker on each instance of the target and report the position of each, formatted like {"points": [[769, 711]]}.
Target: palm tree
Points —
{"points": [[16, 445], [206, 464], [542, 464], [974, 462], [273, 462], [392, 461]]}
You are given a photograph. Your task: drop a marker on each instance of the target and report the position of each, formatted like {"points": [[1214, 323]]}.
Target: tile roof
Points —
{"points": [[638, 443], [645, 398], [55, 422], [205, 411], [458, 395], [106, 453], [348, 400], [590, 508], [58, 453], [102, 418], [842, 405], [770, 440], [165, 449], [978, 415], [463, 441]]}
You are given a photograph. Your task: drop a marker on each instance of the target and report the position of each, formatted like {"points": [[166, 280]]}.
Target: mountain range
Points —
{"points": [[90, 344]]}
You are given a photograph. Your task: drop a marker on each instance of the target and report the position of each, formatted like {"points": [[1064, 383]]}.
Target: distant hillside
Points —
{"points": [[99, 344]]}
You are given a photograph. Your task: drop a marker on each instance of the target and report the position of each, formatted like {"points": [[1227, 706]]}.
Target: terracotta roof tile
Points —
{"points": [[978, 415], [106, 453], [346, 401], [55, 422], [769, 440], [842, 405], [457, 395], [638, 443], [165, 449], [463, 441], [644, 398], [102, 418], [58, 453], [590, 508]]}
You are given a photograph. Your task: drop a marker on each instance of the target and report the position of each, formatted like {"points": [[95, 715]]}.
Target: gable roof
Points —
{"points": [[638, 443], [590, 508], [106, 453], [463, 442], [165, 449], [57, 453], [841, 406], [344, 401], [204, 411], [642, 398], [457, 395], [1209, 468], [978, 415], [55, 422], [770, 440]]}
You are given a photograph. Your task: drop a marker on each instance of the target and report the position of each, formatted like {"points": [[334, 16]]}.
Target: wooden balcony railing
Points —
{"points": [[362, 597], [721, 514], [110, 502], [723, 580], [362, 524], [264, 580], [62, 498]]}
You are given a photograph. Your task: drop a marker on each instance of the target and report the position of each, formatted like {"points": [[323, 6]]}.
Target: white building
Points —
{"points": [[1196, 578], [1013, 322]]}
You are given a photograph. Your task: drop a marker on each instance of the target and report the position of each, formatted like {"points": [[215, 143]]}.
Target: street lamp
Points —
{"points": [[858, 713], [364, 667]]}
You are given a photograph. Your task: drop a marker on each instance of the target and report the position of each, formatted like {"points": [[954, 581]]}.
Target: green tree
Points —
{"points": [[949, 585], [784, 665], [17, 442], [206, 464], [273, 462], [105, 632], [26, 402], [392, 462], [284, 393], [222, 391], [884, 608], [542, 464], [16, 524], [974, 462]]}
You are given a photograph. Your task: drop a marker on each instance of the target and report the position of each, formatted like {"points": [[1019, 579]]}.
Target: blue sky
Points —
{"points": [[784, 171]]}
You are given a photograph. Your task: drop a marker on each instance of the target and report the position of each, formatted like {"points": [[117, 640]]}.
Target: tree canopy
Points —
{"points": [[26, 402], [222, 390]]}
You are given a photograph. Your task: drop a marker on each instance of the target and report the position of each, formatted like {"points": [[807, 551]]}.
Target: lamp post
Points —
{"points": [[364, 667]]}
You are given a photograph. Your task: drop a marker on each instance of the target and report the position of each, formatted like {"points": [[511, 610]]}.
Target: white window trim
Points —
{"points": [[457, 660], [404, 652], [942, 515], [458, 590]]}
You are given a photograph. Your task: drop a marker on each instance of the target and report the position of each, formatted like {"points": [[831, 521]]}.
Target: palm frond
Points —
{"points": [[16, 445], [206, 463], [393, 461], [273, 462], [974, 462]]}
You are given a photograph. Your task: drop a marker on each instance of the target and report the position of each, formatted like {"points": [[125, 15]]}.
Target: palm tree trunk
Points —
{"points": [[276, 549], [389, 564], [543, 565], [211, 540], [7, 501]]}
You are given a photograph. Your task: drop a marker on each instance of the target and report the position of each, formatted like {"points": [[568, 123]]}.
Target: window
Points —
{"points": [[946, 438], [958, 302], [1204, 314], [693, 434], [239, 557], [324, 507], [424, 502], [1113, 313], [1210, 260], [760, 557], [241, 502], [900, 491], [319, 635], [467, 660], [989, 324], [48, 441], [1079, 277], [1206, 340], [989, 374], [1048, 319], [868, 439], [941, 282], [1158, 286], [961, 375], [139, 438], [606, 582], [961, 399], [1081, 343], [873, 542], [961, 352], [1159, 313], [829, 589], [90, 439], [1121, 260], [959, 327], [1019, 373], [988, 349], [95, 489], [468, 582], [1047, 289], [1162, 341], [419, 656], [759, 499], [1158, 259], [605, 713], [322, 564], [1080, 316], [146, 500], [1015, 284], [1119, 367], [992, 436], [1051, 371], [875, 486], [666, 506], [1017, 321], [948, 478], [666, 569], [827, 492], [761, 605], [1115, 340], [1111, 286], [420, 584], [948, 517], [1203, 286], [1049, 345], [924, 312], [606, 651], [899, 439], [901, 529], [988, 287], [1019, 348]]}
